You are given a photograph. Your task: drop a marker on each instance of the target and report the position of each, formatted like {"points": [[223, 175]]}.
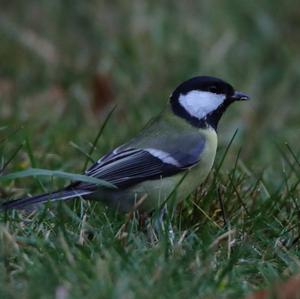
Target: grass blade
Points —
{"points": [[98, 136], [11, 158], [56, 173], [225, 153]]}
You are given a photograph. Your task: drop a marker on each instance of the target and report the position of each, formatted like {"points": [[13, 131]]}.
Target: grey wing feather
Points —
{"points": [[126, 166], [131, 166]]}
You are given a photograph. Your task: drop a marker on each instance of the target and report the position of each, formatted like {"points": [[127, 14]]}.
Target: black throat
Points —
{"points": [[210, 120]]}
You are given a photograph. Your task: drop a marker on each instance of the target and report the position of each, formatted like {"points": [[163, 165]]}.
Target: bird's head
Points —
{"points": [[202, 100]]}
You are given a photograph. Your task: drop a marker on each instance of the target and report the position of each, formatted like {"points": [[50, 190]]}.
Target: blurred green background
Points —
{"points": [[65, 64]]}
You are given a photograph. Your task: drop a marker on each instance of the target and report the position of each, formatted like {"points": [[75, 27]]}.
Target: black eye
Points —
{"points": [[213, 89]]}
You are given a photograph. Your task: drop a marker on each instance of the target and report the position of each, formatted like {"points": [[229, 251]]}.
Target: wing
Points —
{"points": [[130, 167], [126, 166]]}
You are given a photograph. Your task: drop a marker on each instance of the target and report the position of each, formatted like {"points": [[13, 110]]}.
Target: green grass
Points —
{"points": [[65, 65]]}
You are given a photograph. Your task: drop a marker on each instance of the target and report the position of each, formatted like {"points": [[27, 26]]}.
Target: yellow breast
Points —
{"points": [[158, 190], [209, 152], [198, 174]]}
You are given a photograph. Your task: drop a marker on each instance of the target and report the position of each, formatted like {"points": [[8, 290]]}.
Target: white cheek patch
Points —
{"points": [[200, 103]]}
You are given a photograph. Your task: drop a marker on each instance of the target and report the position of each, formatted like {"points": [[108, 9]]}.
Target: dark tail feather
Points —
{"points": [[58, 195]]}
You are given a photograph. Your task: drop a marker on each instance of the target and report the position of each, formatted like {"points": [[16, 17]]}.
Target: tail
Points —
{"points": [[53, 196]]}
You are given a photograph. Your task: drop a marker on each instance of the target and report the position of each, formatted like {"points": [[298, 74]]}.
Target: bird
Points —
{"points": [[171, 155]]}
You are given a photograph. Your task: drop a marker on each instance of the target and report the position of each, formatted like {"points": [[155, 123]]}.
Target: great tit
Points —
{"points": [[175, 151]]}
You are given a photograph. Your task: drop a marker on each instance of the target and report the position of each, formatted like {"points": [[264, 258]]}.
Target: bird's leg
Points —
{"points": [[143, 218], [164, 224], [151, 234], [160, 227]]}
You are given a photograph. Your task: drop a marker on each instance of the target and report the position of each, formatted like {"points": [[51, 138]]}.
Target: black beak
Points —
{"points": [[240, 96]]}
